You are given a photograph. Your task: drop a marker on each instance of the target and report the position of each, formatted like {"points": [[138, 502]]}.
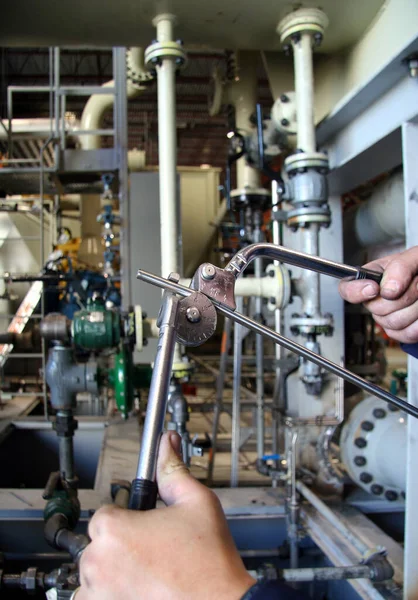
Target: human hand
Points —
{"points": [[393, 304], [181, 551]]}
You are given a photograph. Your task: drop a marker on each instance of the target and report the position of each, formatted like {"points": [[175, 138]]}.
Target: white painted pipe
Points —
{"points": [[257, 287], [37, 127], [304, 89], [98, 104], [242, 94], [167, 152], [382, 218]]}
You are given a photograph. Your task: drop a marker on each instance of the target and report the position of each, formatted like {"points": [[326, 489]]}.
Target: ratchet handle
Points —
{"points": [[143, 495], [369, 274]]}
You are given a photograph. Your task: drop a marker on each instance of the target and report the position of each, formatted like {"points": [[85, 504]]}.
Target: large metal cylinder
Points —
{"points": [[373, 448]]}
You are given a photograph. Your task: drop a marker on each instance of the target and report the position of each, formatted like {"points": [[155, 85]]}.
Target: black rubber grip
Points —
{"points": [[369, 274], [143, 495]]}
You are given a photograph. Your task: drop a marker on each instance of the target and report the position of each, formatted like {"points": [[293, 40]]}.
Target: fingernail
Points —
{"points": [[175, 441], [391, 286], [369, 291]]}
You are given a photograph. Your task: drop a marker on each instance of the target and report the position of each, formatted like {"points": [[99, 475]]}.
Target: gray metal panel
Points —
{"points": [[144, 228], [410, 154], [371, 143]]}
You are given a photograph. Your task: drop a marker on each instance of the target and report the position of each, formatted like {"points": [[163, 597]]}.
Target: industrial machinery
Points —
{"points": [[283, 396]]}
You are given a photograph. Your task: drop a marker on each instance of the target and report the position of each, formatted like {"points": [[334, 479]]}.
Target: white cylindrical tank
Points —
{"points": [[373, 448]]}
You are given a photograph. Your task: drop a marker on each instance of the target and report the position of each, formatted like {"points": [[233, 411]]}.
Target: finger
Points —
{"points": [[399, 273], [382, 307], [358, 291], [399, 319], [175, 484], [405, 336]]}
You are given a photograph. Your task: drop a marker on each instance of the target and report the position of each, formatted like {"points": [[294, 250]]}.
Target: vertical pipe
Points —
{"points": [[311, 296], [277, 239], [259, 344], [293, 504], [66, 457], [236, 399], [304, 88], [243, 95], [220, 384], [56, 90], [121, 148], [167, 151]]}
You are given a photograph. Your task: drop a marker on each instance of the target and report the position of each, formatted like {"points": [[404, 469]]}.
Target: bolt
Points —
{"points": [[284, 122], [367, 426], [175, 277], [391, 495], [284, 98], [193, 314], [376, 489], [208, 272], [360, 461], [360, 442], [379, 413], [413, 67], [271, 273], [366, 477], [318, 39]]}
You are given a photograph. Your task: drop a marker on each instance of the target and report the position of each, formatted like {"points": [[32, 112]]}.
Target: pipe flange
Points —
{"points": [[304, 20], [283, 113], [283, 285], [301, 161], [302, 217], [253, 197], [138, 78], [368, 422], [157, 51], [303, 325]]}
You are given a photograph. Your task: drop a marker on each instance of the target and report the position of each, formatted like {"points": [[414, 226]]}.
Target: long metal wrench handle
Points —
{"points": [[328, 365], [144, 488], [241, 260]]}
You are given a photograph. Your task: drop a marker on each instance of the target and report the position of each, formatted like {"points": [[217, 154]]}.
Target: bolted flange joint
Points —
{"points": [[158, 51], [304, 20]]}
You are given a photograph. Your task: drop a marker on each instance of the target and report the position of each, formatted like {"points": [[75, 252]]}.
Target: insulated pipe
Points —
{"points": [[304, 89], [98, 104]]}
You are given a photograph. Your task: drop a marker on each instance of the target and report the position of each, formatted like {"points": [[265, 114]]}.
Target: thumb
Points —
{"points": [[175, 484]]}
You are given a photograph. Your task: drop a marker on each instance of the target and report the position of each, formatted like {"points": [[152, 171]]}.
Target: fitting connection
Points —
{"points": [[165, 47], [307, 187], [66, 378]]}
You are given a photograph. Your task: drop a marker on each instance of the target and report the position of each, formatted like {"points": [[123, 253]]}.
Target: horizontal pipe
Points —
{"points": [[264, 287], [331, 517]]}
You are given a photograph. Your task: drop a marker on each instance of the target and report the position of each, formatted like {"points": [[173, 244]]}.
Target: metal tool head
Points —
{"points": [[216, 283], [196, 320]]}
